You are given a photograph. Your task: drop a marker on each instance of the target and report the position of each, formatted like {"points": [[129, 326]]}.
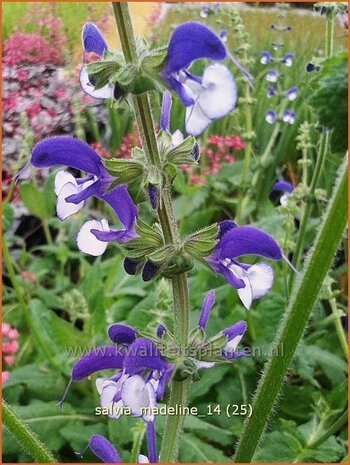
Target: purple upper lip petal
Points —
{"points": [[204, 44], [93, 40]]}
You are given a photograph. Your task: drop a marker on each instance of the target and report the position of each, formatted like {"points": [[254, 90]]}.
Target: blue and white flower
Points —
{"points": [[72, 192], [207, 97], [272, 75], [286, 188], [270, 116], [289, 116], [265, 57], [292, 93], [288, 59], [251, 281]]}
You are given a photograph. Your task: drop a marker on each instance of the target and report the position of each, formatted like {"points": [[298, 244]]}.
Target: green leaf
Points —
{"points": [[330, 99], [33, 378], [97, 323], [290, 444], [328, 452], [310, 357], [207, 430], [277, 448], [50, 196], [99, 66], [194, 450], [209, 378], [34, 200], [65, 334], [78, 437], [8, 216], [120, 432]]}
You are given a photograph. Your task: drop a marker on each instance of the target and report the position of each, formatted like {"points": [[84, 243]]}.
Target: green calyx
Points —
{"points": [[124, 170], [150, 246], [131, 78], [183, 153], [203, 242], [198, 349]]}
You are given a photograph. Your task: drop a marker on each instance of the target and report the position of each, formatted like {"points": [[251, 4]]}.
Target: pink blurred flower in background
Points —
{"points": [[10, 347], [219, 150]]}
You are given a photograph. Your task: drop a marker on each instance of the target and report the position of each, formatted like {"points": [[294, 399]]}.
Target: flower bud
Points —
{"points": [[153, 195]]}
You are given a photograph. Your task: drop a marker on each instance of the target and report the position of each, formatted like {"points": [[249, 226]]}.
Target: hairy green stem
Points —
{"points": [[309, 203], [139, 433], [143, 113], [47, 232], [295, 320], [338, 326], [25, 437]]}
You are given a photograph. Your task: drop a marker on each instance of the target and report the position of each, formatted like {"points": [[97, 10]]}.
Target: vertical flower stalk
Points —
{"points": [[281, 114], [323, 149], [238, 28], [296, 317], [179, 389]]}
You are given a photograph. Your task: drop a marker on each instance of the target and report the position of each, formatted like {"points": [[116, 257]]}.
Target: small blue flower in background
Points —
{"points": [[265, 57], [272, 75], [270, 116], [207, 97], [312, 67], [286, 188], [223, 34], [207, 10], [251, 281], [289, 116], [72, 192], [277, 74], [292, 93], [271, 92], [288, 59]]}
